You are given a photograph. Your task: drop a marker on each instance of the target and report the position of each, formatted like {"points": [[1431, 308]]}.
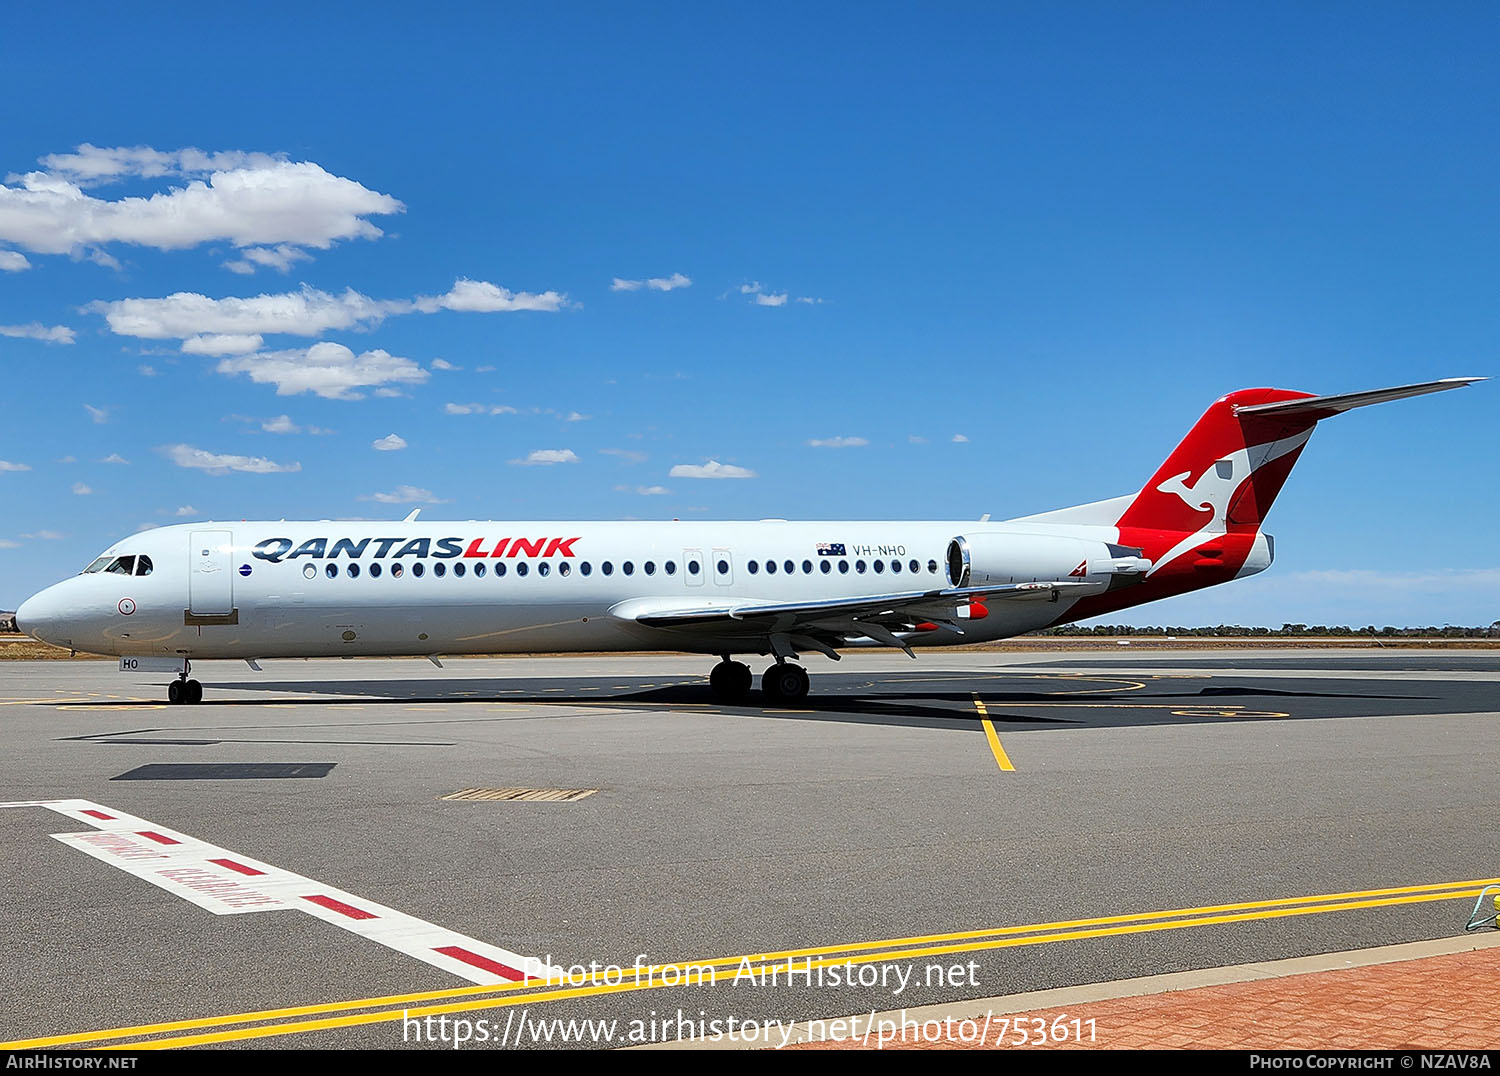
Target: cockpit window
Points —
{"points": [[123, 566], [143, 565], [98, 566]]}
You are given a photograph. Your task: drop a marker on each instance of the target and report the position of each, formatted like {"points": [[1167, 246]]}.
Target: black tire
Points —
{"points": [[175, 693], [194, 691], [785, 683], [730, 681]]}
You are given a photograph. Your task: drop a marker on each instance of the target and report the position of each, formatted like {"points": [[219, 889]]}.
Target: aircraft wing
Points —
{"points": [[822, 625]]}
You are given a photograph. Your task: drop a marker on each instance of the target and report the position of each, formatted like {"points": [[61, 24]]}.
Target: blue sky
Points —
{"points": [[998, 258]]}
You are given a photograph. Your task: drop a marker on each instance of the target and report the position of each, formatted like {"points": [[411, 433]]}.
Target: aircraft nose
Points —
{"points": [[39, 615]]}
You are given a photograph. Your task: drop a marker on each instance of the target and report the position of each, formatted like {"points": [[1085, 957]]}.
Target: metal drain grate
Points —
{"points": [[526, 795]]}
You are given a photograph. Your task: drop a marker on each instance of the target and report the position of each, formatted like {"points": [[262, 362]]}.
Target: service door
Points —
{"points": [[210, 573]]}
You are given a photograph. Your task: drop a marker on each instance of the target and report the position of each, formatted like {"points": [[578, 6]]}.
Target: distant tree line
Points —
{"points": [[1289, 631]]}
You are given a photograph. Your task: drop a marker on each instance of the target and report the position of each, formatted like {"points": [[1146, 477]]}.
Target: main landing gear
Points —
{"points": [[183, 690], [731, 681]]}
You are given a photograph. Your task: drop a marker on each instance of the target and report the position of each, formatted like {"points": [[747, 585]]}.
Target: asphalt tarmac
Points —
{"points": [[277, 867]]}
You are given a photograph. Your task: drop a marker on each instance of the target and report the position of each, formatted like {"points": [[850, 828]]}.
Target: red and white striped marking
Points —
{"points": [[227, 883]]}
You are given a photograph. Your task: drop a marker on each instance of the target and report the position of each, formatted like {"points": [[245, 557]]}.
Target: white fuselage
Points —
{"points": [[317, 589]]}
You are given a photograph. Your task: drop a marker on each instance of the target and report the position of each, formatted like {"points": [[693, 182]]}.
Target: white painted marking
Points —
{"points": [[227, 883]]}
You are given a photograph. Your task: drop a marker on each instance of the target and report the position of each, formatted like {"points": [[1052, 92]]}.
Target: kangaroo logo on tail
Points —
{"points": [[1210, 493]]}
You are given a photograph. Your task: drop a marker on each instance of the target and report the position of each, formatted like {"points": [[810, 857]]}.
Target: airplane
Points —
{"points": [[165, 598]]}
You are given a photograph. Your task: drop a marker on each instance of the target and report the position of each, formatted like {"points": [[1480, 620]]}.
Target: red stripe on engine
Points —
{"points": [[482, 962], [342, 908]]}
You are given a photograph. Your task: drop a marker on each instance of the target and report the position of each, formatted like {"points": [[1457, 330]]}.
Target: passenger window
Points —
{"points": [[143, 565], [879, 566], [418, 568], [752, 567], [331, 571], [628, 568], [770, 567], [543, 568], [396, 571], [353, 571], [859, 566], [914, 567], [825, 567], [521, 567], [459, 569], [375, 571], [479, 570], [932, 567], [807, 567], [650, 567], [670, 567], [607, 568], [790, 567], [123, 566], [843, 567], [586, 568], [439, 569], [499, 568], [694, 567], [723, 567], [895, 566], [564, 568]]}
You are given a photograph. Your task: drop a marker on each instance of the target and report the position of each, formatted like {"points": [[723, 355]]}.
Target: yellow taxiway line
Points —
{"points": [[1001, 758], [390, 1008]]}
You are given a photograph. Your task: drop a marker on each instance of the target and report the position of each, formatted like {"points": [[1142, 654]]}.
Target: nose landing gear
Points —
{"points": [[183, 690]]}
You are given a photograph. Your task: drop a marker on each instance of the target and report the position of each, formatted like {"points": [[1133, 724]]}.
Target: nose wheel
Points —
{"points": [[184, 691], [784, 682]]}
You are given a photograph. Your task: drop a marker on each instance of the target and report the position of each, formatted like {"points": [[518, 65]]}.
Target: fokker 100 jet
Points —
{"points": [[165, 598]]}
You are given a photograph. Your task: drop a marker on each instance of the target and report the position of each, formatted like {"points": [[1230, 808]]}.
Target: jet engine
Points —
{"points": [[979, 560]]}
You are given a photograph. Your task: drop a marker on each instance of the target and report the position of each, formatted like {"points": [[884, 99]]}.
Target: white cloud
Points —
{"points": [[656, 283], [960, 439], [482, 297], [280, 258], [281, 424], [13, 261], [810, 300], [7, 543], [7, 465], [389, 443], [711, 469], [644, 491], [484, 369], [104, 258], [779, 299], [626, 454], [478, 409], [405, 495], [249, 200], [146, 370], [81, 489], [114, 457], [186, 510], [914, 439], [574, 416], [839, 442], [327, 369], [35, 330], [46, 536], [183, 314], [222, 344], [549, 456], [444, 364], [100, 415], [761, 297], [216, 463]]}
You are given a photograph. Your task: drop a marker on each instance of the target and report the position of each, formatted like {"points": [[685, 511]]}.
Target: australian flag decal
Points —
{"points": [[831, 549]]}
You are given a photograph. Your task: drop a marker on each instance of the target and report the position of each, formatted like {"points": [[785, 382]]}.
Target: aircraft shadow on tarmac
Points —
{"points": [[896, 705]]}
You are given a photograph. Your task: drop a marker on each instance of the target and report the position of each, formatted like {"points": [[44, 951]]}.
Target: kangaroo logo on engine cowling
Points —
{"points": [[277, 550]]}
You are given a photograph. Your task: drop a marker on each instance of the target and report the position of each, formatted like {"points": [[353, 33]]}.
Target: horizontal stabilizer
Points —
{"points": [[1320, 407]]}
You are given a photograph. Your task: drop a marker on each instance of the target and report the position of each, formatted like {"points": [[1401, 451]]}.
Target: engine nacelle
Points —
{"points": [[979, 560]]}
